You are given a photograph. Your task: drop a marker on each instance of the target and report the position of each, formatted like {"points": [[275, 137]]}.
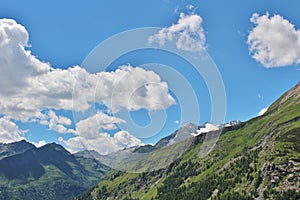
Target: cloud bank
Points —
{"points": [[31, 90]]}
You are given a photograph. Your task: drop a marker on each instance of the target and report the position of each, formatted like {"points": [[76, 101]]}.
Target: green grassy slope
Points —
{"points": [[259, 158], [48, 172]]}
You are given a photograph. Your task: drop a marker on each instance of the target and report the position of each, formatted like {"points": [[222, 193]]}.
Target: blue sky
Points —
{"points": [[64, 33]]}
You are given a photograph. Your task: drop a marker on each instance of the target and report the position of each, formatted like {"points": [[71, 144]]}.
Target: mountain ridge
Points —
{"points": [[256, 159], [13, 148], [49, 172]]}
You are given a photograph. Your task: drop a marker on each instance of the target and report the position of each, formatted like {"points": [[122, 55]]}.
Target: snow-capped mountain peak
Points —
{"points": [[207, 127]]}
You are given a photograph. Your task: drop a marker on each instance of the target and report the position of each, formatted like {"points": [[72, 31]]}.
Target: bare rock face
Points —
{"points": [[282, 177], [184, 132], [294, 92]]}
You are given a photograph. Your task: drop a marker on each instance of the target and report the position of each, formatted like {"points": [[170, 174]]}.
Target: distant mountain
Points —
{"points": [[186, 131], [256, 159], [165, 151], [48, 172], [10, 149], [181, 134], [91, 164]]}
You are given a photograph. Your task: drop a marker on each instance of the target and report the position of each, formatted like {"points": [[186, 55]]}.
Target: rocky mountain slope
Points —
{"points": [[256, 159]]}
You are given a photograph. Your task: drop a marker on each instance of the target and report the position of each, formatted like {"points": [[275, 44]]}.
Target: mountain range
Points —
{"points": [[48, 172], [256, 159]]}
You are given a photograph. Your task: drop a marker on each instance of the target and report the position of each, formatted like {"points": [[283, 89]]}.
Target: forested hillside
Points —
{"points": [[259, 158]]}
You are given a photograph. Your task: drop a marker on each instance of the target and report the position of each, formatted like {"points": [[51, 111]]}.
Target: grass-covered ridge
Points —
{"points": [[259, 158]]}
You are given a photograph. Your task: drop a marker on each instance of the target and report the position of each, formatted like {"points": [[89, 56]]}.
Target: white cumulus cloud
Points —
{"points": [[57, 123], [9, 131], [29, 86], [188, 33], [16, 63], [91, 135], [103, 144], [90, 127], [274, 41], [135, 88]]}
